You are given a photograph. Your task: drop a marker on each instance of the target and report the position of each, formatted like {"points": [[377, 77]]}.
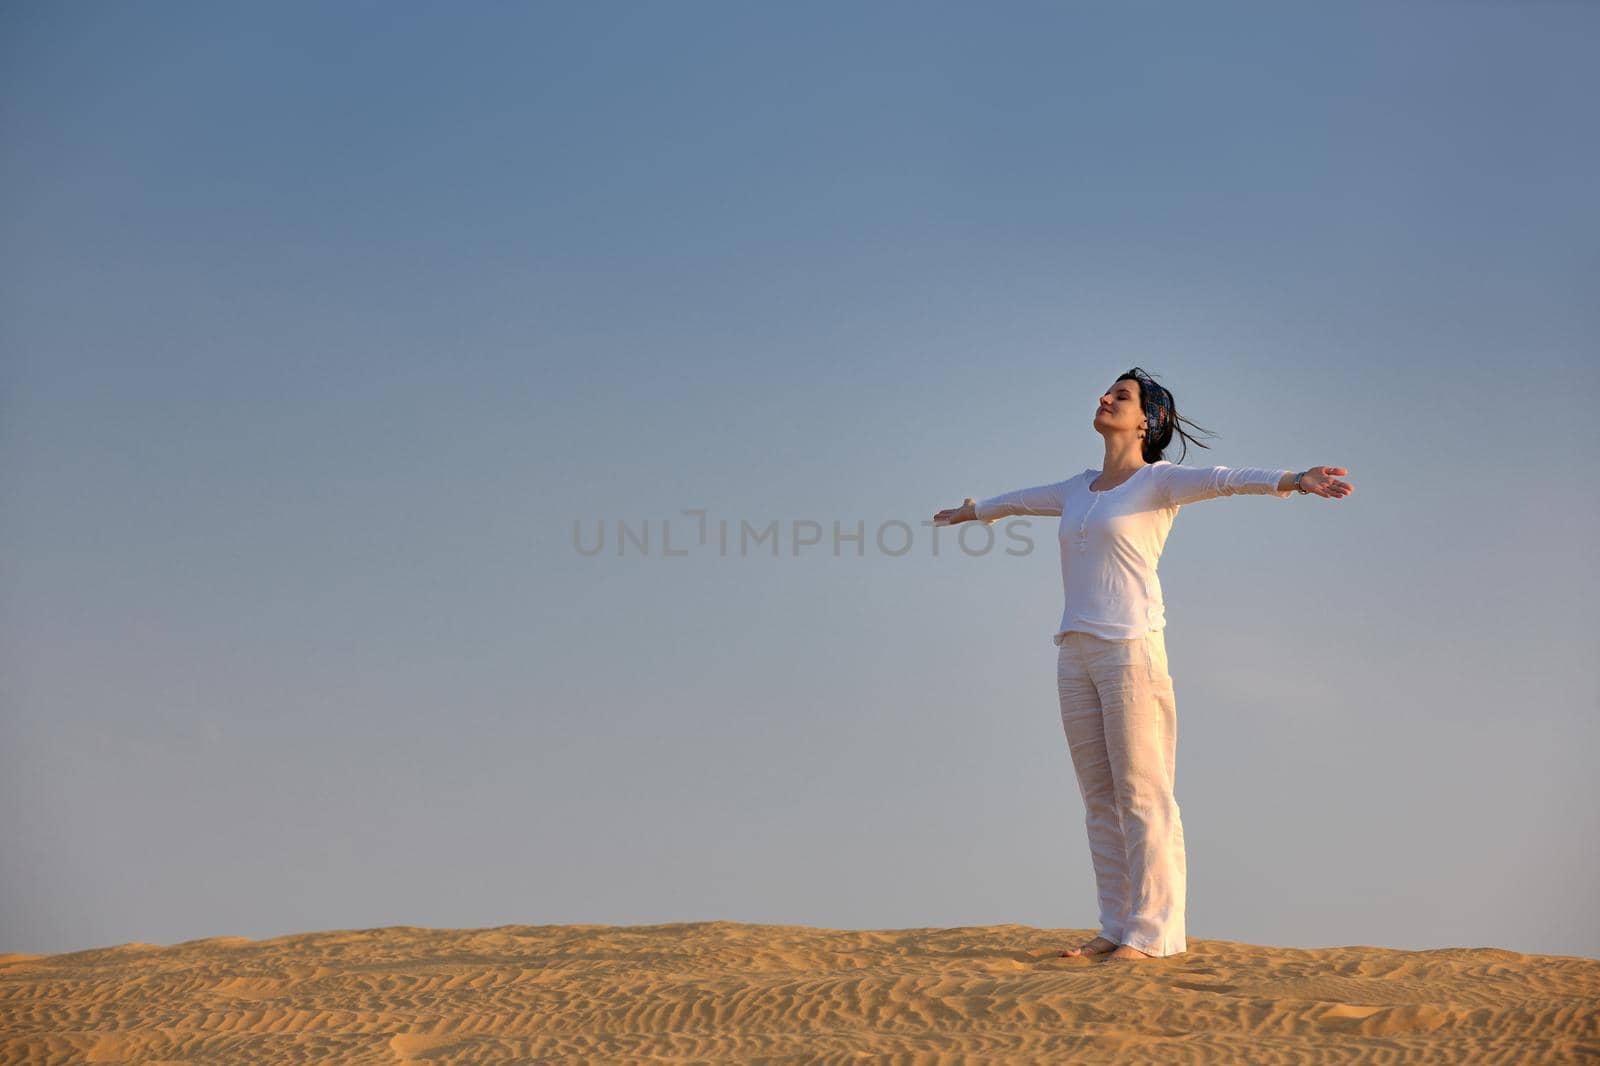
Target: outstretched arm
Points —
{"points": [[1040, 500], [1189, 484]]}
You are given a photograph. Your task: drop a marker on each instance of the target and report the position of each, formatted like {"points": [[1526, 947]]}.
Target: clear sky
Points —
{"points": [[324, 325]]}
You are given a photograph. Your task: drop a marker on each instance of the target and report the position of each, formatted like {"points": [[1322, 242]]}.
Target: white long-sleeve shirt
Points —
{"points": [[1111, 540]]}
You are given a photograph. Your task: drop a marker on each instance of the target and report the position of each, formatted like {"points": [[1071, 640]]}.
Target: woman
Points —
{"points": [[1117, 703]]}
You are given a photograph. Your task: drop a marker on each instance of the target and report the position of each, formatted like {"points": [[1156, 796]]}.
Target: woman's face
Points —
{"points": [[1120, 409]]}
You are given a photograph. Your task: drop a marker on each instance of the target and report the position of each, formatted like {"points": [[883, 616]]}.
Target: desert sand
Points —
{"points": [[728, 991]]}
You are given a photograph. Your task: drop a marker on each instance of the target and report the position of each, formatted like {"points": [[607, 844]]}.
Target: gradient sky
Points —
{"points": [[324, 324]]}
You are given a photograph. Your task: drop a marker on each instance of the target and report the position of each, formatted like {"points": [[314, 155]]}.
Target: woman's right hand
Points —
{"points": [[955, 515]]}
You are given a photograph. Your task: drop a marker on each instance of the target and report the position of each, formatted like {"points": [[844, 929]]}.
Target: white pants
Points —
{"points": [[1120, 717]]}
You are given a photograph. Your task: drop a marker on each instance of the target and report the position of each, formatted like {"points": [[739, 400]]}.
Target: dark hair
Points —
{"points": [[1153, 394]]}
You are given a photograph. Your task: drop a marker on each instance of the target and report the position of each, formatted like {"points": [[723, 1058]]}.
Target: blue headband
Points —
{"points": [[1157, 403]]}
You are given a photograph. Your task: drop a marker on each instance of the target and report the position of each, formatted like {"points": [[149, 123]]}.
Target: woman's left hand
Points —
{"points": [[1321, 480]]}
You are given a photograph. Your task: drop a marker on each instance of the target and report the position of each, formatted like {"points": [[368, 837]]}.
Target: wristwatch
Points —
{"points": [[1297, 477]]}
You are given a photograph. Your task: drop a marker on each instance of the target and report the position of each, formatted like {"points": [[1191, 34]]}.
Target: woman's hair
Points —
{"points": [[1161, 417]]}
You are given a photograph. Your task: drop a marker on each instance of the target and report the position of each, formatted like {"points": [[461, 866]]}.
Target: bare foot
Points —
{"points": [[1128, 951], [1098, 946]]}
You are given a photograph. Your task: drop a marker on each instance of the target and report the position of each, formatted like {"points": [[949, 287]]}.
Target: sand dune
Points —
{"points": [[762, 993]]}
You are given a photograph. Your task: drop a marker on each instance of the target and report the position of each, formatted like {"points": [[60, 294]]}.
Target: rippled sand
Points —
{"points": [[766, 993]]}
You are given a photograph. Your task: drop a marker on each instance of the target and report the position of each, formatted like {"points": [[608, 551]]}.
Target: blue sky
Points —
{"points": [[324, 324]]}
